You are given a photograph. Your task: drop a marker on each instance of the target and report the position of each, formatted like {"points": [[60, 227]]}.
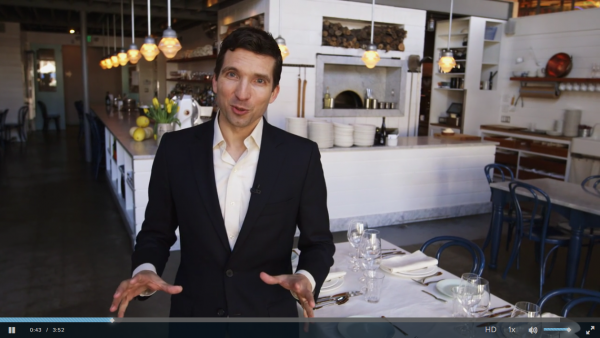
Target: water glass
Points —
{"points": [[355, 232], [370, 249], [374, 285], [485, 300], [469, 278], [526, 310]]}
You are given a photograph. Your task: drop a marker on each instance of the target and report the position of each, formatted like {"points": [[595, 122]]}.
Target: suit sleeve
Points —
{"points": [[316, 241], [157, 236]]}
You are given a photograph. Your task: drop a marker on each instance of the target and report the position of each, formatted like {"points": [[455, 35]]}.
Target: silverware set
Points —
{"points": [[338, 299], [434, 296], [422, 280]]}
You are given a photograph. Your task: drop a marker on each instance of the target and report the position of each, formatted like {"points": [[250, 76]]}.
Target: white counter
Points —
{"points": [[421, 178]]}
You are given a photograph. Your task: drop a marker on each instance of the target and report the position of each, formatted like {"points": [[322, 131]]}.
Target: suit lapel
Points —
{"points": [[201, 153], [269, 165]]}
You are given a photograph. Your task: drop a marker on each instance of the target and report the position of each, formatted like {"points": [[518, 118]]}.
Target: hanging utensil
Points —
{"points": [[304, 92], [299, 93]]}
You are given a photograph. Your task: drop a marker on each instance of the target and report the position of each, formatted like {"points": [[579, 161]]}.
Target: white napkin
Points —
{"points": [[335, 274], [414, 261]]}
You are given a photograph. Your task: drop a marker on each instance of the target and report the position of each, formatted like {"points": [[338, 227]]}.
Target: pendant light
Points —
{"points": [[370, 56], [114, 58], [447, 61], [169, 44], [281, 41], [122, 53], [133, 53], [149, 49], [107, 60], [103, 62]]}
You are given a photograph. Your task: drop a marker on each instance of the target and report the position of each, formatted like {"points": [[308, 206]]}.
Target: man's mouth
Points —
{"points": [[239, 110]]}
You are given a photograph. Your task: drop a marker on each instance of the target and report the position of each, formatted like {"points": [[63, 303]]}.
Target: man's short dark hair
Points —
{"points": [[254, 40]]}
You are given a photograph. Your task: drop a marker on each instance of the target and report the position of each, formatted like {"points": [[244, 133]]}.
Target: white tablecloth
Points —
{"points": [[400, 297]]}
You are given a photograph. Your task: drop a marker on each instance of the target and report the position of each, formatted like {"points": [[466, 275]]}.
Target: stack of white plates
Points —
{"points": [[297, 126], [343, 135], [321, 132], [364, 135]]}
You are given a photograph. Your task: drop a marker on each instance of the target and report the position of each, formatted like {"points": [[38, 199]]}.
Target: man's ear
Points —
{"points": [[214, 83], [273, 94]]}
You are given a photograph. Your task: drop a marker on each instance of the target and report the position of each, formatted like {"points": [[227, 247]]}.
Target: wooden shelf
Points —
{"points": [[555, 79], [190, 81], [193, 59], [453, 34], [491, 41], [456, 89], [489, 63], [457, 47]]}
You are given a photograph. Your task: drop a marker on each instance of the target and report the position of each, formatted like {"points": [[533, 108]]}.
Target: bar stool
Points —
{"points": [[19, 126], [49, 117], [79, 108], [97, 142]]}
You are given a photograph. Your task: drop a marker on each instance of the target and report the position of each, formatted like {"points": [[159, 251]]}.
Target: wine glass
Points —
{"points": [[371, 248], [483, 292], [355, 232], [469, 278], [526, 310]]}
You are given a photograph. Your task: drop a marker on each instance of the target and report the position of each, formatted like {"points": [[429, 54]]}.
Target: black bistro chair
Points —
{"points": [[586, 296], [49, 117], [19, 126], [499, 173], [97, 137], [474, 250]]}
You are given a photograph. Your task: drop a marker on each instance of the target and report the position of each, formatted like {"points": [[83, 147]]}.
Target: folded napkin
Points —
{"points": [[335, 274], [414, 261]]}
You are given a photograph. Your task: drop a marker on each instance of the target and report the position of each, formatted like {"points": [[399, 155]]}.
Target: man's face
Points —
{"points": [[244, 88]]}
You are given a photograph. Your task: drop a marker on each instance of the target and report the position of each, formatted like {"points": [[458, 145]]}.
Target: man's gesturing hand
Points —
{"points": [[299, 285], [144, 281]]}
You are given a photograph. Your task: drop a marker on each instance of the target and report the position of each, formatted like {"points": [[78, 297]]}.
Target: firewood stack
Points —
{"points": [[388, 37]]}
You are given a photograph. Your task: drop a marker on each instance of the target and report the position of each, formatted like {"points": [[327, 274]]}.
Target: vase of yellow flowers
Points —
{"points": [[164, 117]]}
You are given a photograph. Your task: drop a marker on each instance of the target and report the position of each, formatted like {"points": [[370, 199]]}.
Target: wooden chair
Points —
{"points": [[474, 250], [49, 117]]}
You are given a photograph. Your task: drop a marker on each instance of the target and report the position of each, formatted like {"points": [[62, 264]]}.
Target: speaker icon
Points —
{"points": [[533, 330]]}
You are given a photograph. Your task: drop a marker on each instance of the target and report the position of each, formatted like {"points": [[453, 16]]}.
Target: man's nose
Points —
{"points": [[243, 90]]}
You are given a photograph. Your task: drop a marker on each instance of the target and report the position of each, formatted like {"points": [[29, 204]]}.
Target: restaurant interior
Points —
{"points": [[471, 125]]}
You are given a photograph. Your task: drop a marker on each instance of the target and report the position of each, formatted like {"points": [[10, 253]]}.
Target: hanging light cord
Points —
{"points": [[148, 17], [450, 24], [132, 25], [372, 20], [115, 31], [122, 34], [279, 22], [169, 11]]}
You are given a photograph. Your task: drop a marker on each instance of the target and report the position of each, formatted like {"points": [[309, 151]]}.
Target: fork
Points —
{"points": [[422, 280], [427, 284], [342, 300], [434, 296]]}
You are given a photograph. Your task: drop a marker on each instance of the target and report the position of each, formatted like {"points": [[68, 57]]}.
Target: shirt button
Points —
{"points": [[220, 312], [231, 237], [232, 203], [229, 273]]}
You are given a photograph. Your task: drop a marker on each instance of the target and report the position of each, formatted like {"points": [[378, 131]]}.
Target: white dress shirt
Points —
{"points": [[234, 181]]}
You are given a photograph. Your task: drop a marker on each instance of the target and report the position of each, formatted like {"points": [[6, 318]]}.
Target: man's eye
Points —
{"points": [[230, 74], [261, 81]]}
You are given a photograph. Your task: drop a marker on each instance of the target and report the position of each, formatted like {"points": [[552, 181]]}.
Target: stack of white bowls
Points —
{"points": [[343, 135], [297, 126], [321, 132], [364, 135]]}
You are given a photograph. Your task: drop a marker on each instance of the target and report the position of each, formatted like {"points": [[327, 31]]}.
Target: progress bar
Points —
{"points": [[558, 329]]}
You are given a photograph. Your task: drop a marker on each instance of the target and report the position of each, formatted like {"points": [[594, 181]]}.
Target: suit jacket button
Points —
{"points": [[220, 312], [229, 273]]}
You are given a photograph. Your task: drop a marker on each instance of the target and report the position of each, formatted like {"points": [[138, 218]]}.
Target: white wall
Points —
{"points": [[301, 26], [576, 33], [11, 68]]}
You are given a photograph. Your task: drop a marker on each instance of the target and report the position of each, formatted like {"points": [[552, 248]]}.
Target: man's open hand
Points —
{"points": [[299, 285], [144, 281]]}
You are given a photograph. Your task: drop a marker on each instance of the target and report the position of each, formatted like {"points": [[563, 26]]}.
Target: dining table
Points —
{"points": [[570, 200]]}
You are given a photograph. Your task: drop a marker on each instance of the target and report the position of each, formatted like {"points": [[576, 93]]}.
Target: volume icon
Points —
{"points": [[533, 330]]}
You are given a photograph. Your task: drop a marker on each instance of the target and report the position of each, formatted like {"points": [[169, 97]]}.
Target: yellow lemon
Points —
{"points": [[142, 121], [139, 134], [131, 130]]}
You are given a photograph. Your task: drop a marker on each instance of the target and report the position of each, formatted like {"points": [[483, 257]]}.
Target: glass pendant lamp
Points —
{"points": [[149, 49], [169, 44], [122, 53], [107, 60], [133, 54], [447, 62], [285, 52], [114, 58], [370, 56]]}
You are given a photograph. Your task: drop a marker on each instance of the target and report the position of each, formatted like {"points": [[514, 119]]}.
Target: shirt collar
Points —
{"points": [[255, 136]]}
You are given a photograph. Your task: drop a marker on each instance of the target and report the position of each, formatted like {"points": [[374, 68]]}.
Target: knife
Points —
{"points": [[500, 313]]}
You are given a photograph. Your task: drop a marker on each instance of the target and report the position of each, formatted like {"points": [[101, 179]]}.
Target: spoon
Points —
{"points": [[339, 301]]}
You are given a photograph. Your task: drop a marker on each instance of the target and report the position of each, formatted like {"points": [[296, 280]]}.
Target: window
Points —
{"points": [[46, 72], [534, 7]]}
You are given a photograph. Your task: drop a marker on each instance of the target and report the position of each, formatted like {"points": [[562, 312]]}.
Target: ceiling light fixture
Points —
{"points": [[133, 53], [149, 49], [114, 57], [122, 53], [71, 31], [169, 44], [107, 60], [370, 56], [447, 62], [285, 52]]}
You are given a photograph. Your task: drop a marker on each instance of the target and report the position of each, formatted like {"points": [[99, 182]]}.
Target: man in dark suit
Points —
{"points": [[237, 188]]}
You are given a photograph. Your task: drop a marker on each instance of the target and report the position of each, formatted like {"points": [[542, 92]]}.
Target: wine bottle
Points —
{"points": [[383, 139]]}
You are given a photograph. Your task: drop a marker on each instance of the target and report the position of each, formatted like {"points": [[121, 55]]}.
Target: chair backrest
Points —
{"points": [[587, 296], [501, 168], [43, 108], [595, 181], [474, 250], [95, 132], [23, 111]]}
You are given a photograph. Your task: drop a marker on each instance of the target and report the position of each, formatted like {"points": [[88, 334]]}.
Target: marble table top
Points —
{"points": [[569, 195]]}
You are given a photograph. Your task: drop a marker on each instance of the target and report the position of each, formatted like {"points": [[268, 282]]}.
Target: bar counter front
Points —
{"points": [[421, 178]]}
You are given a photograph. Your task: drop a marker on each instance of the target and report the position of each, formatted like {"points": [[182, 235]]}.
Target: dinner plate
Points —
{"points": [[412, 274], [332, 284], [445, 286], [362, 330]]}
